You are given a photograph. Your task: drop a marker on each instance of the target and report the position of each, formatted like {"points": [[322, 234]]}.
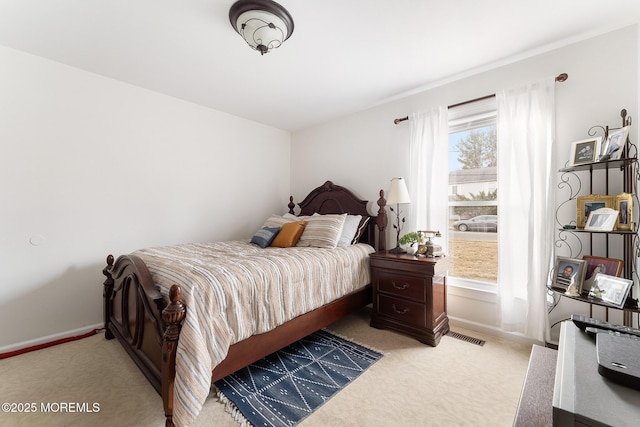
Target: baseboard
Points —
{"points": [[48, 341], [491, 330]]}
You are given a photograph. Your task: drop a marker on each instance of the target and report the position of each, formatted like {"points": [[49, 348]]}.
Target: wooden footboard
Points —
{"points": [[133, 314], [148, 326]]}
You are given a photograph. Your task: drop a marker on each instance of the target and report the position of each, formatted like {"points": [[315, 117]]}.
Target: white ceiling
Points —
{"points": [[344, 55]]}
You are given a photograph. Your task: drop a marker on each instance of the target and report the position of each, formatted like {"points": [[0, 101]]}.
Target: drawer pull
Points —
{"points": [[400, 287], [404, 311]]}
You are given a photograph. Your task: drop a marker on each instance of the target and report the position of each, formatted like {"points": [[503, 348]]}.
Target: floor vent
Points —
{"points": [[466, 338]]}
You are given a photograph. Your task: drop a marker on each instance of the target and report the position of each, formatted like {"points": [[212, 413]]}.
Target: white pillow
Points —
{"points": [[349, 230], [278, 221], [322, 231]]}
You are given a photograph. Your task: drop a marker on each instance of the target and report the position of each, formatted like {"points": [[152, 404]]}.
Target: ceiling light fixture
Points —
{"points": [[263, 24]]}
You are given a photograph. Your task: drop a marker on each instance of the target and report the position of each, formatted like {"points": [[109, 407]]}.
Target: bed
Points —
{"points": [[155, 308]]}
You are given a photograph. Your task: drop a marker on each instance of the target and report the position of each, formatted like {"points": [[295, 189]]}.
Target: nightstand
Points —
{"points": [[410, 295]]}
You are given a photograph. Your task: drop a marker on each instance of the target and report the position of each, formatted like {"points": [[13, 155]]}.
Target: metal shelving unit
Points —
{"points": [[572, 179]]}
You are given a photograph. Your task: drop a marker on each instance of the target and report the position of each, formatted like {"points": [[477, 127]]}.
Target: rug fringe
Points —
{"points": [[232, 409], [367, 346]]}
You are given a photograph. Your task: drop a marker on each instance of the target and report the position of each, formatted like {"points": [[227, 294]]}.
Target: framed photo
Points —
{"points": [[603, 219], [586, 151], [624, 205], [611, 290], [595, 265], [568, 270], [613, 147], [586, 204]]}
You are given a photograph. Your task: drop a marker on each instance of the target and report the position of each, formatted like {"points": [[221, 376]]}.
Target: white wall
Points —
{"points": [[365, 150], [74, 186], [91, 166]]}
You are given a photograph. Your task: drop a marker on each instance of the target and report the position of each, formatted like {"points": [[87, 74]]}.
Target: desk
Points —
{"points": [[583, 397]]}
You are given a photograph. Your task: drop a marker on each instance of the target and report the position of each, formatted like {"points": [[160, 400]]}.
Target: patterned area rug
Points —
{"points": [[287, 386]]}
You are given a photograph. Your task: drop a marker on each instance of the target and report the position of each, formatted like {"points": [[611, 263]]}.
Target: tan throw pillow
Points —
{"points": [[289, 234], [322, 231]]}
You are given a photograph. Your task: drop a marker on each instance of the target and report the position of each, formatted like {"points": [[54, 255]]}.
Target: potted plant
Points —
{"points": [[408, 241]]}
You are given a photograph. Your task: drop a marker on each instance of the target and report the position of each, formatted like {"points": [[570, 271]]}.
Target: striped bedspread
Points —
{"points": [[233, 290]]}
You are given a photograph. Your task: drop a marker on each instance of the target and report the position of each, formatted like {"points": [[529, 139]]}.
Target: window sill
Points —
{"points": [[472, 289]]}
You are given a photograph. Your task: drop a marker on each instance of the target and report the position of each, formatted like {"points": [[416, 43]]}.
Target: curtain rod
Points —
{"points": [[560, 78]]}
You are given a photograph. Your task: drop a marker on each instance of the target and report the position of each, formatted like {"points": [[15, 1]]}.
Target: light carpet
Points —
{"points": [[454, 384]]}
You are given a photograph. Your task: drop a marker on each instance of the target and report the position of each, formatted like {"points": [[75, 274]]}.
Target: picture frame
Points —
{"points": [[585, 151], [610, 289], [610, 266], [603, 219], [624, 205], [613, 147], [567, 269], [597, 264], [586, 204]]}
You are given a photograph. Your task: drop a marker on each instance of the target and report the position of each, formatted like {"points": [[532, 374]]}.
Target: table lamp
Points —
{"points": [[398, 194]]}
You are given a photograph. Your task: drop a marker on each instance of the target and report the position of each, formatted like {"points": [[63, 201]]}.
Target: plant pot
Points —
{"points": [[411, 250]]}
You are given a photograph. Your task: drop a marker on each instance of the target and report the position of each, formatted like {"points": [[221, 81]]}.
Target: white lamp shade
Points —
{"points": [[398, 192], [258, 27]]}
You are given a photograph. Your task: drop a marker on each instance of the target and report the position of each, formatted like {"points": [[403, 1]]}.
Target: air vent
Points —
{"points": [[466, 338]]}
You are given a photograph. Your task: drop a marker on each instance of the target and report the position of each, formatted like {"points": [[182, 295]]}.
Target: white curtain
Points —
{"points": [[526, 130], [428, 172]]}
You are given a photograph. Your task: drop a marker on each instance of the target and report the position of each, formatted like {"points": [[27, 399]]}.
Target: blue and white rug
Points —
{"points": [[287, 386]]}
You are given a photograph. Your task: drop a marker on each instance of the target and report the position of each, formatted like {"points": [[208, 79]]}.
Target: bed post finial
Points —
{"points": [[381, 222], [106, 296], [173, 315], [291, 205]]}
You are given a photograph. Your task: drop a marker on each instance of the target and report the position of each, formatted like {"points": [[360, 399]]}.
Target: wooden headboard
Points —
{"points": [[334, 199]]}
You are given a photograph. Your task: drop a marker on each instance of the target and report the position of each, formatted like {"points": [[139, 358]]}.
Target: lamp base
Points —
{"points": [[397, 250]]}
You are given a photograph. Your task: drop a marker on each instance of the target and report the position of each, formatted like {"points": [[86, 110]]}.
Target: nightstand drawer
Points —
{"points": [[407, 312], [404, 286]]}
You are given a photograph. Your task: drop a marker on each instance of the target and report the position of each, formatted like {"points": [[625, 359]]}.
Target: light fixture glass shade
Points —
{"points": [[263, 24], [398, 192]]}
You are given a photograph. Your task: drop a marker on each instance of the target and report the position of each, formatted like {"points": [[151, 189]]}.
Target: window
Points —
{"points": [[473, 194]]}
